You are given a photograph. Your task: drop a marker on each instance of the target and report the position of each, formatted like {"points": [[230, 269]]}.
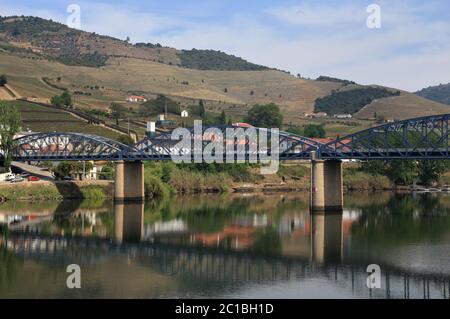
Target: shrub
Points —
{"points": [[357, 180], [125, 139], [268, 115], [92, 192], [290, 171], [3, 80], [30, 193], [185, 181], [154, 187]]}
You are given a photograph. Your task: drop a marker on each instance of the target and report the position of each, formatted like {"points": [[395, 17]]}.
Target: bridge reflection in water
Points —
{"points": [[314, 251], [128, 221]]}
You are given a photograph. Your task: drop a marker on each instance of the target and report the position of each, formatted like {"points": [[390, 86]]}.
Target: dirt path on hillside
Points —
{"points": [[7, 93], [12, 92], [4, 95]]}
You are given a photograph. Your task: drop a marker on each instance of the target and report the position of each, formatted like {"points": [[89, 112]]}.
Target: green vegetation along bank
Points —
{"points": [[164, 179], [43, 190]]}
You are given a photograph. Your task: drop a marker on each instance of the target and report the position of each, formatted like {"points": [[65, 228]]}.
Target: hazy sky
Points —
{"points": [[410, 51]]}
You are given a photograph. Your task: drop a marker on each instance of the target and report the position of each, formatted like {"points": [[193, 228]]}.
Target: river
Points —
{"points": [[228, 246]]}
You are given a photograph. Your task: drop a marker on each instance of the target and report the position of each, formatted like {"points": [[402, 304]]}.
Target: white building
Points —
{"points": [[342, 116], [184, 113], [136, 99]]}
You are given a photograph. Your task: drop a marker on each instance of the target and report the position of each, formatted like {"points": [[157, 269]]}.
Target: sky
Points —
{"points": [[410, 50]]}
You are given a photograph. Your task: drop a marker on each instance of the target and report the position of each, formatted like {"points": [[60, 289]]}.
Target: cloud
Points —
{"points": [[409, 52], [122, 21], [312, 15]]}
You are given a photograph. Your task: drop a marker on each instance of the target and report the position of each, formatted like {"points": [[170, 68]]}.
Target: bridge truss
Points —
{"points": [[419, 138], [70, 147]]}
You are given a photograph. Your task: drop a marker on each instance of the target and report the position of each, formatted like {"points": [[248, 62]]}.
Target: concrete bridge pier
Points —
{"points": [[326, 185], [129, 183]]}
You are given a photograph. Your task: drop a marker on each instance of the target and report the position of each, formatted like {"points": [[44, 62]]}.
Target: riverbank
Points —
{"points": [[210, 178], [162, 178], [46, 190], [166, 179]]}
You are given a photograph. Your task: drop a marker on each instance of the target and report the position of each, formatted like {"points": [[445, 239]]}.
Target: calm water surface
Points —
{"points": [[234, 246]]}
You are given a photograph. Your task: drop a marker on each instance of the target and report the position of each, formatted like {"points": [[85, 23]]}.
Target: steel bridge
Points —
{"points": [[419, 138], [425, 138]]}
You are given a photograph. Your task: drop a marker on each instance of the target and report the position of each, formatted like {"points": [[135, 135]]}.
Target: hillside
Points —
{"points": [[124, 76], [41, 58], [44, 119], [351, 101], [439, 93], [74, 47], [405, 106]]}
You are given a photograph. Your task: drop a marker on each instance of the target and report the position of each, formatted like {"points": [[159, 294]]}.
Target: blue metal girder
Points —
{"points": [[71, 147], [419, 138], [291, 146]]}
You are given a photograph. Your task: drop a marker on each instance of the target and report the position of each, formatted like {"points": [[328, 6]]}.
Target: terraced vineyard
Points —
{"points": [[44, 119]]}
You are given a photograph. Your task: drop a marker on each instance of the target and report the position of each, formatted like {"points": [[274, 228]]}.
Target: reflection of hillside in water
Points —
{"points": [[407, 231], [217, 243]]}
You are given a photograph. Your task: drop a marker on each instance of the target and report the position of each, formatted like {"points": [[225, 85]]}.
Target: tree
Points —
{"points": [[10, 123], [3, 80], [267, 115], [222, 118], [117, 111], [429, 171], [67, 168], [64, 169], [57, 100], [374, 167], [66, 98], [125, 139], [107, 172], [400, 172], [314, 130], [405, 172], [201, 109], [225, 90], [158, 106], [295, 130]]}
